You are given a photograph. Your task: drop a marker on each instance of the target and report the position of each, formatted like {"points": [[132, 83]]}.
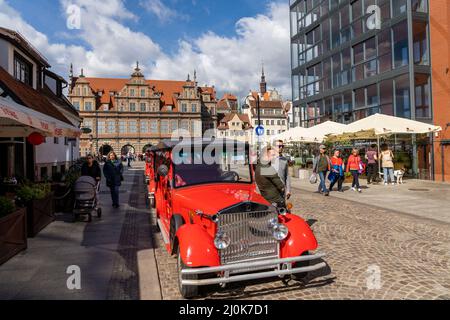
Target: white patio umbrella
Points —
{"points": [[378, 125], [319, 132], [381, 124]]}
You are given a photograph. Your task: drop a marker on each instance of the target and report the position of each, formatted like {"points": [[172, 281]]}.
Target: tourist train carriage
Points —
{"points": [[215, 221], [149, 175]]}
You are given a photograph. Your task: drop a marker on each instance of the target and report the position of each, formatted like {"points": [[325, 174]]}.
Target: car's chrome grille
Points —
{"points": [[251, 238]]}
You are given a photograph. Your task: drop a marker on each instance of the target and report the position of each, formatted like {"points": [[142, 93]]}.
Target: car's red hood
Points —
{"points": [[215, 197]]}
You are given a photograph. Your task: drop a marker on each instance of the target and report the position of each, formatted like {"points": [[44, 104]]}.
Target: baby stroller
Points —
{"points": [[86, 198]]}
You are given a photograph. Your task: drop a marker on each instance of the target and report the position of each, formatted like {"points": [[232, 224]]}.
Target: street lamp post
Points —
{"points": [[258, 110]]}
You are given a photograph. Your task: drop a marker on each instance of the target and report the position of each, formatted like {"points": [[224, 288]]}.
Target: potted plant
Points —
{"points": [[38, 199], [13, 229], [348, 177]]}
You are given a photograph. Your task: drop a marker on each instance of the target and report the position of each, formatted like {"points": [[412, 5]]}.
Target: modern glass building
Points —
{"points": [[355, 58]]}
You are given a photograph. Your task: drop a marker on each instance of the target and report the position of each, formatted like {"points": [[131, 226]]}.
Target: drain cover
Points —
{"points": [[419, 190]]}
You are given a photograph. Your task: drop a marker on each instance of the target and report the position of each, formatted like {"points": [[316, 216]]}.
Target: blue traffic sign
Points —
{"points": [[260, 131]]}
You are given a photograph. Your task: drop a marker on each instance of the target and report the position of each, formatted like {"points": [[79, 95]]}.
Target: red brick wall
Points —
{"points": [[440, 60]]}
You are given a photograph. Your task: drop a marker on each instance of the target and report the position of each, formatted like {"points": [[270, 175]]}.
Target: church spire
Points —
{"points": [[263, 84]]}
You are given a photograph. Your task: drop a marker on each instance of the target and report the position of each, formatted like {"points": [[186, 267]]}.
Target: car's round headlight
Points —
{"points": [[222, 241], [280, 232]]}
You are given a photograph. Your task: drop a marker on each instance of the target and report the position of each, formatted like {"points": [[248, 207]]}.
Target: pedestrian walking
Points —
{"points": [[281, 165], [372, 166], [91, 168], [321, 166], [337, 171], [269, 182], [129, 158], [355, 166], [113, 171], [387, 163]]}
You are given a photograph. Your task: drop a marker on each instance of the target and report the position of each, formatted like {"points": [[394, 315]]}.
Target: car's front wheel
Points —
{"points": [[188, 292], [301, 275]]}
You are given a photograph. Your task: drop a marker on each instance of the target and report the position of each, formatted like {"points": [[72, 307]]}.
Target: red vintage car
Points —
{"points": [[215, 221]]}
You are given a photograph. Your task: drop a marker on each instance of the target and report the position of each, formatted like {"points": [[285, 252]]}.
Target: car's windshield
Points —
{"points": [[193, 167]]}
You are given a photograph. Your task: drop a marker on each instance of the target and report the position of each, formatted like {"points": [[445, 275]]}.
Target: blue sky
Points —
{"points": [[196, 17], [226, 41]]}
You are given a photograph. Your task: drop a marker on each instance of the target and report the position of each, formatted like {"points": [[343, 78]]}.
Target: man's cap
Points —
{"points": [[323, 147]]}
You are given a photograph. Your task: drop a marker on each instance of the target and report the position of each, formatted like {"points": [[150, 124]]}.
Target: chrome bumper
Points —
{"points": [[284, 267]]}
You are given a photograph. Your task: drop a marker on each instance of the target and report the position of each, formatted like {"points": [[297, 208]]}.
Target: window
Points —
{"points": [[101, 127], [402, 97], [173, 125], [76, 105], [88, 106], [165, 126], [132, 92], [87, 124], [372, 95], [360, 98], [143, 107], [422, 91], [132, 126], [398, 7], [401, 44], [194, 108], [420, 46], [122, 127], [23, 70], [184, 124], [111, 127], [56, 140], [385, 51], [386, 97], [144, 126], [142, 92], [154, 126], [132, 106], [184, 108]]}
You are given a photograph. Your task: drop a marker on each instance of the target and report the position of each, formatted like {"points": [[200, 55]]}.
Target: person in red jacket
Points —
{"points": [[354, 165]]}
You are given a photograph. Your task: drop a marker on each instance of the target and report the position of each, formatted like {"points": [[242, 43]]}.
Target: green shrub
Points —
{"points": [[6, 206], [29, 192]]}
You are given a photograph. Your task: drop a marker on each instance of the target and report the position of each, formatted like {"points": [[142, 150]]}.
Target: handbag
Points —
{"points": [[313, 178], [332, 177]]}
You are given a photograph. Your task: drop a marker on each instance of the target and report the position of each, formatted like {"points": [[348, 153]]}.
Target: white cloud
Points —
{"points": [[162, 11], [110, 49]]}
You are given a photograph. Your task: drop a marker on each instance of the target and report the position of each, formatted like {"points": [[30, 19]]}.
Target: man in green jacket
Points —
{"points": [[269, 182]]}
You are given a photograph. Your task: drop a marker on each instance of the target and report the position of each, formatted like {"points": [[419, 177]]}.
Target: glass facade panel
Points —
{"points": [[402, 97], [401, 57]]}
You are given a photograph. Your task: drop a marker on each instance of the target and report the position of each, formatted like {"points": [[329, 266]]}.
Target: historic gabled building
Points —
{"points": [[235, 126], [131, 114], [273, 110]]}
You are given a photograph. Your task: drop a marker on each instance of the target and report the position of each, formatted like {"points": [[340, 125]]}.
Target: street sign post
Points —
{"points": [[259, 131]]}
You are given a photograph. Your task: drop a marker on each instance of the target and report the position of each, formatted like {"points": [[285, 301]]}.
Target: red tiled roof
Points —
{"points": [[31, 98], [267, 104], [169, 89], [229, 96]]}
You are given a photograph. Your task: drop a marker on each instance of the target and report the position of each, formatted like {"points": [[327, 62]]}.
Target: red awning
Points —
{"points": [[18, 120]]}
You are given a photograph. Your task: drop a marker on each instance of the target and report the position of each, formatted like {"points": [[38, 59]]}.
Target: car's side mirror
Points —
{"points": [[163, 170]]}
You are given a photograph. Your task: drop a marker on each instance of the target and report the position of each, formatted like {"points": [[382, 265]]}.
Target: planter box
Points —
{"points": [[40, 213], [13, 234]]}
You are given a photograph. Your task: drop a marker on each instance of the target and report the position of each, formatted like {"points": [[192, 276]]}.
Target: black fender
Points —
{"points": [[175, 223]]}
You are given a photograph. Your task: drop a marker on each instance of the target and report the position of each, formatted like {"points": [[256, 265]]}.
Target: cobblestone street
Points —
{"points": [[122, 256], [413, 255]]}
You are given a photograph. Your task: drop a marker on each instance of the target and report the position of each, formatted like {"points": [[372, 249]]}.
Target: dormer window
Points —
{"points": [[23, 70]]}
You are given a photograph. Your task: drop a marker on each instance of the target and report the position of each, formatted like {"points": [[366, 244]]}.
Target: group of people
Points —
{"points": [[112, 170], [335, 168]]}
